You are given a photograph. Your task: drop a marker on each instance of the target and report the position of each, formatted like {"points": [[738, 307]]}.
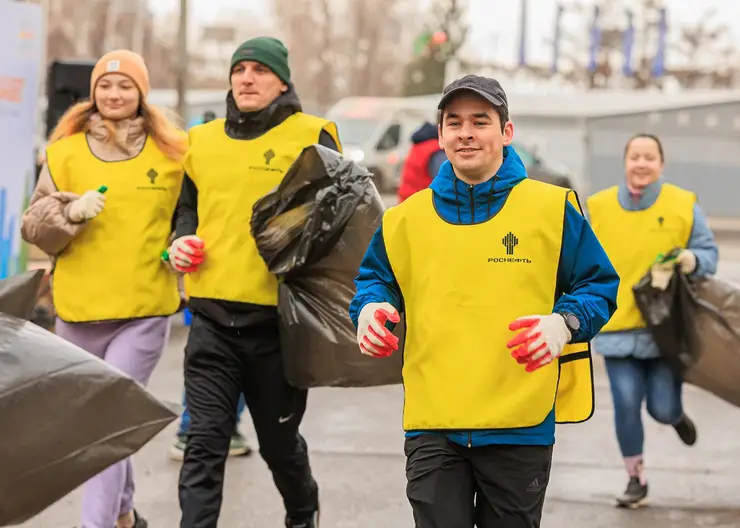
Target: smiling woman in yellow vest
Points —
{"points": [[636, 221], [502, 284], [103, 211], [234, 346]]}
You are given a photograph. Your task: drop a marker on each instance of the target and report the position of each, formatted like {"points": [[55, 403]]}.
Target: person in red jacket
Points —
{"points": [[423, 163]]}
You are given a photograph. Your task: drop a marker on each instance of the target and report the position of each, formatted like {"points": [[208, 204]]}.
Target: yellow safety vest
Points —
{"points": [[462, 285], [633, 239], [231, 175], [113, 269]]}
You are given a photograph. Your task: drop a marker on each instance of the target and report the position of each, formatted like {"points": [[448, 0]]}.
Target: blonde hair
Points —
{"points": [[167, 135]]}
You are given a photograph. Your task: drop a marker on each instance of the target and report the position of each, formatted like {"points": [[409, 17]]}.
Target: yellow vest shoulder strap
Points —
{"points": [[319, 123], [411, 206], [57, 154], [677, 195], [546, 192], [215, 127], [542, 192], [575, 201], [299, 119], [597, 200]]}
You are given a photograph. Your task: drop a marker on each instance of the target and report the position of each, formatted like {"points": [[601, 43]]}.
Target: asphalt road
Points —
{"points": [[355, 439]]}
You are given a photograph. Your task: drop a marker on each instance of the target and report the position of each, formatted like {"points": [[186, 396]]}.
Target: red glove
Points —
{"points": [[541, 341], [186, 254], [372, 335]]}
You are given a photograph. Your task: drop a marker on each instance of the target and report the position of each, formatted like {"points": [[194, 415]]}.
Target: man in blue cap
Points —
{"points": [[503, 284]]}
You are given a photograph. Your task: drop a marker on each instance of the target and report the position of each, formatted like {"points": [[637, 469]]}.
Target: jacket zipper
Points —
{"points": [[472, 221], [472, 204]]}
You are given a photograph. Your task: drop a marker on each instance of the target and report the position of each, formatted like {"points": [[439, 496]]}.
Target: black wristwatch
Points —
{"points": [[571, 321]]}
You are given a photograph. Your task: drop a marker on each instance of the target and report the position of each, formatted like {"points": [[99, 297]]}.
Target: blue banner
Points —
{"points": [[659, 62], [628, 43], [523, 34], [21, 38], [595, 41], [556, 39]]}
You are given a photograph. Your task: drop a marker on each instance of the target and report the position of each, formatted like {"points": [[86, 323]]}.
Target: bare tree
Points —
{"points": [[77, 30], [702, 46], [343, 48]]}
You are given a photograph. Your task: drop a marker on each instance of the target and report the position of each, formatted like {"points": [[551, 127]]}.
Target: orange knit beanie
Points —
{"points": [[126, 63]]}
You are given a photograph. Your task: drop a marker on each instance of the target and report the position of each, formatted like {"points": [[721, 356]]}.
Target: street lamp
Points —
{"points": [[182, 60]]}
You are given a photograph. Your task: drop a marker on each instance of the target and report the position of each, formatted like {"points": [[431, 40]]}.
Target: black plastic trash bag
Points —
{"points": [[670, 315], [312, 232], [65, 415]]}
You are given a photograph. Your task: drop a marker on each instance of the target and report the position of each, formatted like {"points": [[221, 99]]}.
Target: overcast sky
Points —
{"points": [[495, 31]]}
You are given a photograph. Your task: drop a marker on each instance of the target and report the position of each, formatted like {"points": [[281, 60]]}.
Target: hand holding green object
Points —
{"points": [[665, 258], [87, 206]]}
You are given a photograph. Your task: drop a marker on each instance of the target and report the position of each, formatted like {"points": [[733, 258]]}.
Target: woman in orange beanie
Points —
{"points": [[102, 210]]}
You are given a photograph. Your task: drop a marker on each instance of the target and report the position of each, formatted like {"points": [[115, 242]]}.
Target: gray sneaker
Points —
{"points": [[237, 447], [177, 450]]}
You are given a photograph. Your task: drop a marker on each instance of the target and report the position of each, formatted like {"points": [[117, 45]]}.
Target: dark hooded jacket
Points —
{"points": [[242, 126]]}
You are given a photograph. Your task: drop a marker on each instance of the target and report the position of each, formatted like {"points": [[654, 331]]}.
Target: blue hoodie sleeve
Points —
{"points": [[375, 281], [586, 276], [703, 245]]}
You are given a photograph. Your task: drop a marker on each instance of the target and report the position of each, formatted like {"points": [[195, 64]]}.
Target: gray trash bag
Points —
{"points": [[717, 322], [18, 293], [312, 232], [65, 414]]}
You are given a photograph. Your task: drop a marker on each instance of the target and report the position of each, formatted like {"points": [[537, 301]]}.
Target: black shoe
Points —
{"points": [[686, 430], [310, 522], [634, 496], [139, 521]]}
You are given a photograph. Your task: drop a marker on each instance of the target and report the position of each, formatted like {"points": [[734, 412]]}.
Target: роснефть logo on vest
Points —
{"points": [[510, 241], [268, 156]]}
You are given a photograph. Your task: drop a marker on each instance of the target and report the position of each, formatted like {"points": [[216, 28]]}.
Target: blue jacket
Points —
{"points": [[640, 343], [584, 266]]}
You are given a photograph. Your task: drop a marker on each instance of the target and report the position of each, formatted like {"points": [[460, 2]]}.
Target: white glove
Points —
{"points": [[540, 342], [186, 253], [372, 335], [687, 261], [661, 274], [86, 206]]}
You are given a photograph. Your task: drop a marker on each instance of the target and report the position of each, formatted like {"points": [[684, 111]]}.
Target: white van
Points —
{"points": [[376, 132]]}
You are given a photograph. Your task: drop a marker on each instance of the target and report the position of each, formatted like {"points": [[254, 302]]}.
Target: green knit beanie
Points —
{"points": [[265, 50]]}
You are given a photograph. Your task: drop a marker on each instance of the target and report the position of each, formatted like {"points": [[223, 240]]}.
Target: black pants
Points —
{"points": [[220, 364], [498, 486]]}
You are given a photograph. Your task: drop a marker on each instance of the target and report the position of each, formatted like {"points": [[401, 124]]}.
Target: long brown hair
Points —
{"points": [[168, 136]]}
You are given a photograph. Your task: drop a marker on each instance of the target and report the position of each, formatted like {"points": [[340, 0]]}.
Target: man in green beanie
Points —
{"points": [[234, 345]]}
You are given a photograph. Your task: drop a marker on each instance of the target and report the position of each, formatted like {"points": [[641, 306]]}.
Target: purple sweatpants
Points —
{"points": [[134, 347]]}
